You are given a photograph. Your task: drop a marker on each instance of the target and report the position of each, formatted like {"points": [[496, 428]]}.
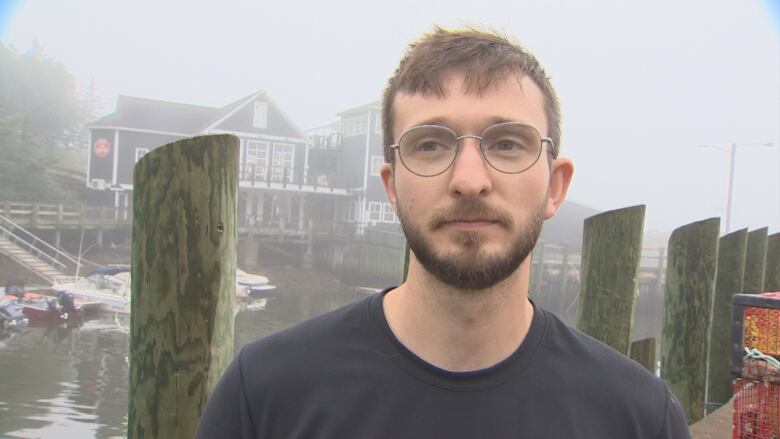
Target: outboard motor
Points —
{"points": [[67, 302], [11, 316], [15, 289]]}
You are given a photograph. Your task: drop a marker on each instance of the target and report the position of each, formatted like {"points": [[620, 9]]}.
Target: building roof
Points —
{"points": [[151, 114], [176, 118], [359, 109]]}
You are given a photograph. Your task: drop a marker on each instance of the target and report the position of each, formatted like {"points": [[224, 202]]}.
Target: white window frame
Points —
{"points": [[388, 214], [253, 156], [140, 152], [378, 124], [277, 170], [376, 163], [374, 212], [354, 126], [260, 115]]}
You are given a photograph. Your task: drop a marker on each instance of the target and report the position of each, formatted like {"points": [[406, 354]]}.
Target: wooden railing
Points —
{"points": [[266, 175], [61, 216]]}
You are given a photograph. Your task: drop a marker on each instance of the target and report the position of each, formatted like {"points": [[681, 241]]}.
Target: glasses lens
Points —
{"points": [[428, 150], [511, 147]]}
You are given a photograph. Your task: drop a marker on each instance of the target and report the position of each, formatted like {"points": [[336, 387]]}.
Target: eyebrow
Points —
{"points": [[443, 121]]}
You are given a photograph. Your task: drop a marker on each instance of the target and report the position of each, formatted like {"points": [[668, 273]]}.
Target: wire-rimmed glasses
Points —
{"points": [[509, 147]]}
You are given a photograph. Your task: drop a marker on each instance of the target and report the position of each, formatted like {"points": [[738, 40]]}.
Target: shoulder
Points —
{"points": [[610, 381], [272, 375], [312, 342], [585, 352]]}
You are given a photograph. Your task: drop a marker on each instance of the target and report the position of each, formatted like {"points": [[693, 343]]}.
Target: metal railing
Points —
{"points": [[34, 245]]}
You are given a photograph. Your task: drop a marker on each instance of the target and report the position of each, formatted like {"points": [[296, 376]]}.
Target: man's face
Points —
{"points": [[472, 226]]}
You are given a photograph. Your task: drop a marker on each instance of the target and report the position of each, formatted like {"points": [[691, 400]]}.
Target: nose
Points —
{"points": [[470, 173]]}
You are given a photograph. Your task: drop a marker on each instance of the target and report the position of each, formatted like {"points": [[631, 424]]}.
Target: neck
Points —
{"points": [[455, 329]]}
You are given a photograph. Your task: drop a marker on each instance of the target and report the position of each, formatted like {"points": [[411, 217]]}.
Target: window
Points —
{"points": [[376, 163], [378, 124], [257, 156], [260, 119], [354, 126], [388, 214], [140, 152], [284, 155], [374, 211]]}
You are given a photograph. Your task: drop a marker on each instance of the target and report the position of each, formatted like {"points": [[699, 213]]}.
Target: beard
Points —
{"points": [[469, 268]]}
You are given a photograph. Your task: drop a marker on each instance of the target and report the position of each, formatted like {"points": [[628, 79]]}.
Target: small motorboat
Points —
{"points": [[251, 285], [38, 307], [261, 291], [109, 286], [249, 279]]}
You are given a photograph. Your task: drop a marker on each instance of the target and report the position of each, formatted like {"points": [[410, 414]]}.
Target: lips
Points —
{"points": [[472, 213]]}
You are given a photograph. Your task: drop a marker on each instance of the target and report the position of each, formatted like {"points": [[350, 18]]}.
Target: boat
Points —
{"points": [[258, 291], [38, 307], [110, 286], [252, 285]]}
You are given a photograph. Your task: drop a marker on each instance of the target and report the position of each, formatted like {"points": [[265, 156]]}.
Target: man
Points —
{"points": [[472, 128]]}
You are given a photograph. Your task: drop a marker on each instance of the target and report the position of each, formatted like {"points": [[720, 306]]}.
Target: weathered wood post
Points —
{"points": [[537, 276], [643, 352], [183, 282], [560, 305], [406, 262], [755, 261], [611, 249], [731, 269], [690, 281], [772, 276]]}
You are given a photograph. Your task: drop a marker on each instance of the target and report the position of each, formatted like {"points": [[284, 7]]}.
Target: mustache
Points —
{"points": [[470, 210]]}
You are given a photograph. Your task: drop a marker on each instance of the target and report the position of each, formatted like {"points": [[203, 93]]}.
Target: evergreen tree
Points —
{"points": [[41, 114]]}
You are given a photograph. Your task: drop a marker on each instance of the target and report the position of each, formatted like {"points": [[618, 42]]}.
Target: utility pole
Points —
{"points": [[731, 186], [733, 158]]}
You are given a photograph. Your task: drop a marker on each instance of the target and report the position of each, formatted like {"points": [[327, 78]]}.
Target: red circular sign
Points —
{"points": [[102, 147]]}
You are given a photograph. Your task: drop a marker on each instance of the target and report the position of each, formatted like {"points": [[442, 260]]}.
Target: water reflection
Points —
{"points": [[64, 381], [71, 380]]}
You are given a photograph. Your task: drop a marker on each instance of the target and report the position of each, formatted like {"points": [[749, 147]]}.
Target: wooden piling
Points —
{"points": [[183, 282], [755, 261], [690, 281], [406, 262], [611, 250], [560, 303], [731, 269], [643, 352], [772, 275]]}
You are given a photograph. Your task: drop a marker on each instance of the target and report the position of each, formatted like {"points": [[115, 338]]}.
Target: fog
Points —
{"points": [[641, 85]]}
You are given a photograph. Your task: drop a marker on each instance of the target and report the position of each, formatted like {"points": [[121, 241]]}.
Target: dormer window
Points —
{"points": [[260, 119]]}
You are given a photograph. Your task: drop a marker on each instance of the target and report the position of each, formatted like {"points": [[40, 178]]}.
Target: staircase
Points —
{"points": [[32, 252]]}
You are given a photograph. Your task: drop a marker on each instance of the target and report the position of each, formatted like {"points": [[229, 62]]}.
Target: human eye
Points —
{"points": [[430, 146], [507, 145]]}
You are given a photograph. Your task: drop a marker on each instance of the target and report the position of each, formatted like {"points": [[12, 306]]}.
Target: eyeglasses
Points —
{"points": [[509, 147]]}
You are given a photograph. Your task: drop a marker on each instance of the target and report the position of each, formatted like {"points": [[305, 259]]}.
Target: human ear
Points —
{"points": [[561, 172], [388, 181]]}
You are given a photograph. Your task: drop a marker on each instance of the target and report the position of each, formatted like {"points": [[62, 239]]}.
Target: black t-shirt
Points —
{"points": [[345, 375]]}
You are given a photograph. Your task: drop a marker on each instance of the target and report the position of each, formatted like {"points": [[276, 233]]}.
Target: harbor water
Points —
{"points": [[71, 382]]}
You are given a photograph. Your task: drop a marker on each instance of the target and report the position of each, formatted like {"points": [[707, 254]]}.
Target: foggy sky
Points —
{"points": [[641, 85]]}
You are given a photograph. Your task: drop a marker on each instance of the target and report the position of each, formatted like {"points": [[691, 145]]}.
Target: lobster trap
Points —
{"points": [[755, 352]]}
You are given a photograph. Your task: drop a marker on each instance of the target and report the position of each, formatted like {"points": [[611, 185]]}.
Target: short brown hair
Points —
{"points": [[482, 56]]}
